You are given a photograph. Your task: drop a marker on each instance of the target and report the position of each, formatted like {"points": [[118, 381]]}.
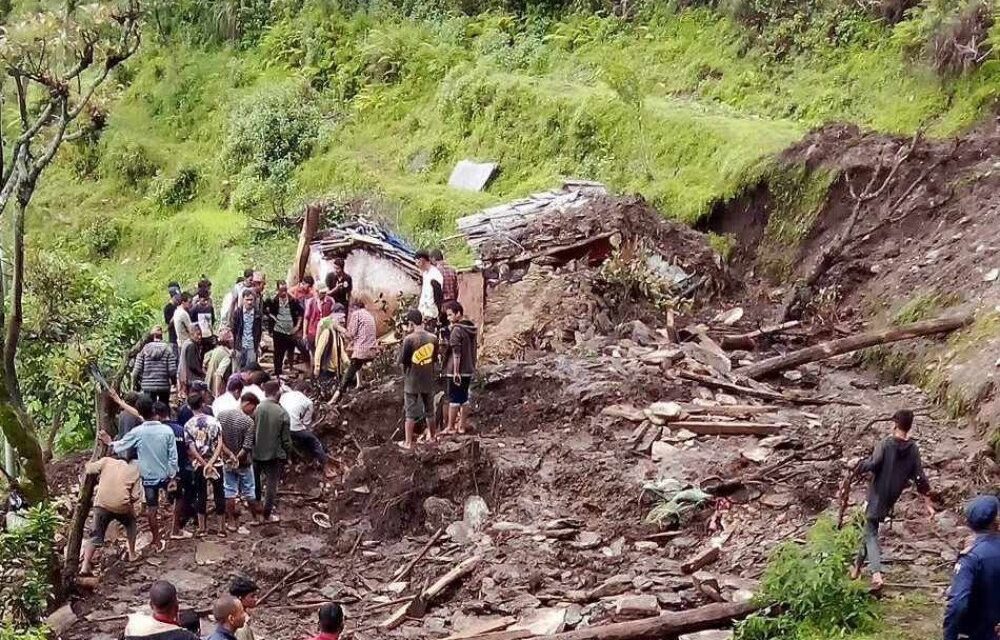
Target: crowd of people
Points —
{"points": [[231, 612], [219, 454]]}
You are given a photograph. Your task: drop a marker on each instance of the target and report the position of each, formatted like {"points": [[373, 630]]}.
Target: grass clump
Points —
{"points": [[923, 306], [808, 592]]}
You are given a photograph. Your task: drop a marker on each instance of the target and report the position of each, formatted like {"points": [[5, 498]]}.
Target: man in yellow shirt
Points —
{"points": [[119, 488]]}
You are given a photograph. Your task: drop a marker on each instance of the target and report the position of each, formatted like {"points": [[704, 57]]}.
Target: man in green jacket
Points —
{"points": [[271, 447]]}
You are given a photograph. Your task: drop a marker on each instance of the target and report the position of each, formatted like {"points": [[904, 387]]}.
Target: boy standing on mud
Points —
{"points": [[417, 358], [893, 465]]}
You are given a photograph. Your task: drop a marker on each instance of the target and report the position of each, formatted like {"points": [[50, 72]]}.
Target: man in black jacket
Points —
{"points": [[247, 324], [284, 314], [893, 465]]}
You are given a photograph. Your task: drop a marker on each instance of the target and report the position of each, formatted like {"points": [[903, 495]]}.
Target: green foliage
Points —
{"points": [[629, 275], [176, 189], [101, 237], [238, 22], [722, 243], [808, 584], [9, 632], [129, 162], [269, 135], [27, 559], [923, 306], [75, 317]]}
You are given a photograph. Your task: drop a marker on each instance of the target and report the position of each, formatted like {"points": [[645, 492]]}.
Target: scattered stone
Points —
{"points": [[637, 607], [662, 451], [650, 435], [615, 549], [439, 512], [613, 586], [662, 356], [666, 410], [646, 545], [574, 614], [543, 622], [639, 332], [625, 412], [208, 552], [459, 532], [188, 582], [299, 590], [756, 454], [991, 275], [714, 634], [475, 513], [669, 599], [522, 602], [641, 583], [587, 540], [60, 620], [730, 317]]}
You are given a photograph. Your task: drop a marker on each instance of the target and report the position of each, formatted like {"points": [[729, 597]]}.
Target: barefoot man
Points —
{"points": [[460, 365], [417, 357], [118, 490]]}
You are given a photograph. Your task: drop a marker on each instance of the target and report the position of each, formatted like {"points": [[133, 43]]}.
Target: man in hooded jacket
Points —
{"points": [[155, 367], [894, 464]]}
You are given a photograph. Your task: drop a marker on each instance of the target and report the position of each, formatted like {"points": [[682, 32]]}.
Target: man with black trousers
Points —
{"points": [[272, 446], [285, 316]]}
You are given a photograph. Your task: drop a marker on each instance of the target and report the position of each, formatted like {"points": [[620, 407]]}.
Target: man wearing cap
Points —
{"points": [[973, 609]]}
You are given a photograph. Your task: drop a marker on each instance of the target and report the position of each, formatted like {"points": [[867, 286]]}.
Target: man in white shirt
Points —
{"points": [[231, 398], [182, 320], [300, 413], [431, 291]]}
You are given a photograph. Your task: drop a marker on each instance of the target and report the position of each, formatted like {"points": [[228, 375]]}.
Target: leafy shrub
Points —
{"points": [[101, 237], [27, 559], [810, 587], [174, 190], [129, 162], [239, 22], [9, 632], [628, 272], [74, 317]]}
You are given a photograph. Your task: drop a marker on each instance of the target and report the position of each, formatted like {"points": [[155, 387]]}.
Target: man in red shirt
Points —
{"points": [[364, 344], [449, 284], [331, 622]]}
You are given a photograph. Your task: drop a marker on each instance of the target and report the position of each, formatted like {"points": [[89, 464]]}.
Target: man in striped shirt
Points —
{"points": [[360, 331]]}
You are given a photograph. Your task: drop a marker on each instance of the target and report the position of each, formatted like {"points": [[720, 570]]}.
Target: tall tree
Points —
{"points": [[51, 64]]}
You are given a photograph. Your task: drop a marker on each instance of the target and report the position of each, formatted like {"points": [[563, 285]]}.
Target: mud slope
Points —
{"points": [[926, 239]]}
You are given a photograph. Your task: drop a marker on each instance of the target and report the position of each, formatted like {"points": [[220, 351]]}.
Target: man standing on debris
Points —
{"points": [[339, 284], [118, 490], [219, 363], [156, 450], [431, 292], [364, 346], [238, 436], [155, 367], [191, 367], [203, 436], [162, 625], [973, 609], [173, 301], [894, 464], [203, 313], [460, 365], [182, 320], [247, 325], [418, 356], [272, 446], [285, 315], [449, 281]]}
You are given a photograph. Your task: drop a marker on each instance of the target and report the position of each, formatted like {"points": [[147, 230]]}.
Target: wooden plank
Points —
{"points": [[735, 428]]}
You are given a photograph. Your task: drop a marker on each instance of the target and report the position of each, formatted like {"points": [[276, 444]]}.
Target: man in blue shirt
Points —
{"points": [[156, 450], [973, 609], [230, 616]]}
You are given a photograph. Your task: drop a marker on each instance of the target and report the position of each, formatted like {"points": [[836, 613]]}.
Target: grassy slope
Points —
{"points": [[533, 96]]}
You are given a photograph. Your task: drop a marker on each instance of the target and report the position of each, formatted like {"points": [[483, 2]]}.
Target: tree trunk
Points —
{"points": [[19, 430], [84, 500], [666, 625], [832, 348]]}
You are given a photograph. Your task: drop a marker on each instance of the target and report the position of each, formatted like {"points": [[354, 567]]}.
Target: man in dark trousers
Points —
{"points": [[247, 326], [894, 465], [285, 318], [417, 357], [271, 448], [973, 609], [459, 366]]}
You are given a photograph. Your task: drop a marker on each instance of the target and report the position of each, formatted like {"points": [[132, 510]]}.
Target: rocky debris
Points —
{"points": [[629, 607]]}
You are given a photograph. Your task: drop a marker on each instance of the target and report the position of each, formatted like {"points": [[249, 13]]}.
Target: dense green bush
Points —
{"points": [[9, 632], [129, 162], [101, 237], [175, 189], [810, 591], [74, 317], [27, 560], [238, 22], [268, 136]]}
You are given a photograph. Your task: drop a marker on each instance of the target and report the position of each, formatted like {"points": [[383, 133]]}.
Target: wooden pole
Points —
{"points": [[832, 348], [666, 625]]}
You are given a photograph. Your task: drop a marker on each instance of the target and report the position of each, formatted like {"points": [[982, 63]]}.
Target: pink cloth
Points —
{"points": [[316, 311], [361, 331]]}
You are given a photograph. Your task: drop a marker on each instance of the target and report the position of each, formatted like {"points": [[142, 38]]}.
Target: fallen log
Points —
{"points": [[707, 428], [747, 391], [405, 570], [416, 605], [746, 340], [704, 558], [711, 616], [840, 346], [733, 410]]}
